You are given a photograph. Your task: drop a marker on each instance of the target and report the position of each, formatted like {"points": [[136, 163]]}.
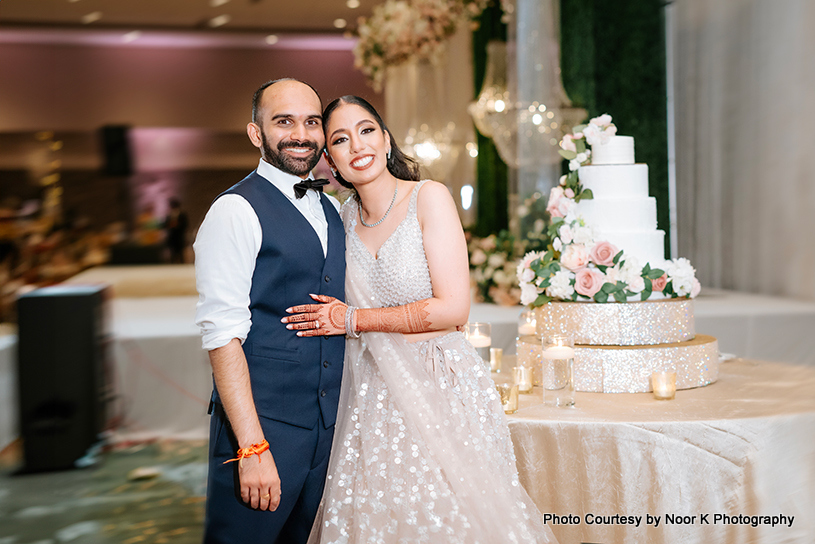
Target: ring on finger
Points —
{"points": [[266, 496]]}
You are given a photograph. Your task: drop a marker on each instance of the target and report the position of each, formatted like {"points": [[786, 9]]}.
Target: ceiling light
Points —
{"points": [[353, 4], [73, 1], [92, 17], [216, 3], [271, 39], [340, 23], [220, 20], [131, 36]]}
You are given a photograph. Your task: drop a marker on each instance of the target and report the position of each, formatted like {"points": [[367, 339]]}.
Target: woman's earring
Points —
{"points": [[389, 154], [333, 171]]}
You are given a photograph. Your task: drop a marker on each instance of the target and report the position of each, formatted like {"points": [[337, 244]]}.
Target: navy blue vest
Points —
{"points": [[294, 379]]}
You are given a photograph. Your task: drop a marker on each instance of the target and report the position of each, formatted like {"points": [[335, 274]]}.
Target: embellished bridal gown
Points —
{"points": [[421, 451]]}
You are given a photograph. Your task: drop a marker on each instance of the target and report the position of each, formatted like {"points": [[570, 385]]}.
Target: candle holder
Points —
{"points": [[480, 336], [557, 370], [664, 385], [523, 378], [509, 395], [527, 324], [496, 359]]}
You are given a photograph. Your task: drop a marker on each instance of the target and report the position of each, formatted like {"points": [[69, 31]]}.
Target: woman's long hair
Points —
{"points": [[400, 165]]}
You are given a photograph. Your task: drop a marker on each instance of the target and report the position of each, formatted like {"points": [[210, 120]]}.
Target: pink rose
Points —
{"points": [[658, 285], [697, 287], [569, 193], [574, 257], [588, 281], [603, 253], [567, 144], [555, 195], [602, 120]]}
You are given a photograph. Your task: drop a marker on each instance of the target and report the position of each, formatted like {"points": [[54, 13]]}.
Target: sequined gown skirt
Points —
{"points": [[386, 483]]}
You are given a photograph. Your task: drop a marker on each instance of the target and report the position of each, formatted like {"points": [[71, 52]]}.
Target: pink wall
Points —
{"points": [[80, 88]]}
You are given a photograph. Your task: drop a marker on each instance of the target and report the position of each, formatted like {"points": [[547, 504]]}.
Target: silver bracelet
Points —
{"points": [[349, 319]]}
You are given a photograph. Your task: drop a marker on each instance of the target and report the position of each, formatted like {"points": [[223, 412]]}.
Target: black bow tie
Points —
{"points": [[316, 184]]}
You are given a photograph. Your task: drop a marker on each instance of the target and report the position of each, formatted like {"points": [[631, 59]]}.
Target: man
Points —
{"points": [[264, 246]]}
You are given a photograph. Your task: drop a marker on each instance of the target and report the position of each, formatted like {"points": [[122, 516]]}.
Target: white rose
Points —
{"points": [[583, 235], [601, 120], [574, 165], [592, 133], [613, 274], [581, 158], [575, 257], [528, 293], [527, 275], [496, 260], [561, 285], [566, 234], [557, 244], [636, 284]]}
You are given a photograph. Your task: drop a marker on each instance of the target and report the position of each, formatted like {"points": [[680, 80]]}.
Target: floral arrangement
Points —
{"points": [[579, 267], [402, 30]]}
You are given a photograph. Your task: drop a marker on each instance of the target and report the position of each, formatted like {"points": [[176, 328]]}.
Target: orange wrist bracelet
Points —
{"points": [[254, 449]]}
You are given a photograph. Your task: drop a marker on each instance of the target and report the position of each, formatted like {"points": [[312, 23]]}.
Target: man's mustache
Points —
{"points": [[291, 143]]}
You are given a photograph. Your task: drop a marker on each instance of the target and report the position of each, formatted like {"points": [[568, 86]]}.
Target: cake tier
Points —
{"points": [[618, 150], [619, 324], [648, 246], [628, 369], [620, 214], [615, 180]]}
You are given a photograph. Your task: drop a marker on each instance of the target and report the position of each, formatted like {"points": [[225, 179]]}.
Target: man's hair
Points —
{"points": [[259, 94]]}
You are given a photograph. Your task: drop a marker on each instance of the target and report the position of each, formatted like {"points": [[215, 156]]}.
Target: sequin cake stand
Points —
{"points": [[619, 345]]}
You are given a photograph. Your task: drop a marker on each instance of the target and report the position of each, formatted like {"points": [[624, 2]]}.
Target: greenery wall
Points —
{"points": [[613, 61], [491, 172]]}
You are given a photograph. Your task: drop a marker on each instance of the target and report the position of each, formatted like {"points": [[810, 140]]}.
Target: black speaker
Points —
{"points": [[62, 345], [116, 149]]}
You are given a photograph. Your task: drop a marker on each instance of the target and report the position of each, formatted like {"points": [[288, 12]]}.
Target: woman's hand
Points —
{"points": [[325, 319]]}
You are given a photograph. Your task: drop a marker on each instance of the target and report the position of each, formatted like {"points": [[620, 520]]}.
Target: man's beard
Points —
{"points": [[296, 166]]}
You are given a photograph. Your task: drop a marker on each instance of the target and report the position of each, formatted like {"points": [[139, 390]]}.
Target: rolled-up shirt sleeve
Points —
{"points": [[226, 249]]}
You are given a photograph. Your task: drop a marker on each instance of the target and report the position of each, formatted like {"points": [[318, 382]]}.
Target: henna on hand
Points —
{"points": [[409, 318]]}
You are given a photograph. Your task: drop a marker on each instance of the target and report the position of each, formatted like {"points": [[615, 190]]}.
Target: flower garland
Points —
{"points": [[578, 266], [402, 30]]}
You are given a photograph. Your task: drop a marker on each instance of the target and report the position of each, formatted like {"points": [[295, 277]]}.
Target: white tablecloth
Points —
{"points": [[742, 446]]}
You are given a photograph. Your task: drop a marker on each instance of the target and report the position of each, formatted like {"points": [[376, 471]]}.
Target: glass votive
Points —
{"points": [[496, 359], [523, 378], [557, 370], [509, 396], [480, 336], [527, 323], [664, 385]]}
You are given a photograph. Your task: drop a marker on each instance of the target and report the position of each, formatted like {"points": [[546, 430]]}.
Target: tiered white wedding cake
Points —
{"points": [[621, 211], [605, 279]]}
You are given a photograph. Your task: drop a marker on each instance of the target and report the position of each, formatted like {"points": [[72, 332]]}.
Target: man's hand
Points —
{"points": [[260, 484], [324, 319]]}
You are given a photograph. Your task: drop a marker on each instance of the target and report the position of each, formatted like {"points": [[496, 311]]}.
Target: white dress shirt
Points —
{"points": [[226, 248]]}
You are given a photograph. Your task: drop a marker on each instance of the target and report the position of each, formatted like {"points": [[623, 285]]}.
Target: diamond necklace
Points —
{"points": [[359, 205]]}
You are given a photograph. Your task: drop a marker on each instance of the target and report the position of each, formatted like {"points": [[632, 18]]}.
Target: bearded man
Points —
{"points": [[265, 245]]}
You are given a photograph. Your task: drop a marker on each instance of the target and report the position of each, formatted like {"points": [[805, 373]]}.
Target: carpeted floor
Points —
{"points": [[150, 493]]}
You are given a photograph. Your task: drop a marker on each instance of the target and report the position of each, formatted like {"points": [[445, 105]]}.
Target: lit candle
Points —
{"points": [[523, 378], [525, 329], [496, 359], [479, 340], [558, 352], [664, 385]]}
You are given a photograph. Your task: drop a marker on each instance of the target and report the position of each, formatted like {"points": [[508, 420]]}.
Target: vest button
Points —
{"points": [[327, 279], [325, 364], [322, 393]]}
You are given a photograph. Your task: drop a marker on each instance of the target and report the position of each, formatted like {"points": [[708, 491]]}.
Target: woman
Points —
{"points": [[421, 452]]}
